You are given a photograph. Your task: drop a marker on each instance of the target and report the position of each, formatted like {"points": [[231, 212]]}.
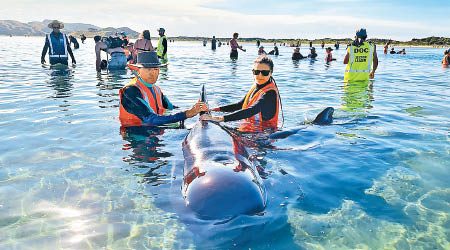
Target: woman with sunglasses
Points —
{"points": [[260, 106]]}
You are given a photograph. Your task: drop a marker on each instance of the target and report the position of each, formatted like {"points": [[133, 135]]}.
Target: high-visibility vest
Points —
{"points": [[58, 47], [152, 101], [360, 62], [160, 49], [445, 60], [256, 122]]}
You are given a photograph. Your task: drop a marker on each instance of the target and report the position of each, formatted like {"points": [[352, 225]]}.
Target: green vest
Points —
{"points": [[360, 62], [160, 49]]}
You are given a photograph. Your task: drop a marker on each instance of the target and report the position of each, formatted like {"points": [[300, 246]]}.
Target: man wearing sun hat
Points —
{"points": [[329, 56], [361, 59], [142, 103], [58, 44]]}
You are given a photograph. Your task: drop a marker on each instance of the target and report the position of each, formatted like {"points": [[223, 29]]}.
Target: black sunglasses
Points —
{"points": [[264, 72]]}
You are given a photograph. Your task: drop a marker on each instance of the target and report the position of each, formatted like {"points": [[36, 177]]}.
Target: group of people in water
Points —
{"points": [[143, 103], [120, 51]]}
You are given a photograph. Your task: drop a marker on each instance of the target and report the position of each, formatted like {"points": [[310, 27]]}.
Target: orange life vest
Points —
{"points": [[256, 122], [126, 51], [444, 61], [128, 119]]}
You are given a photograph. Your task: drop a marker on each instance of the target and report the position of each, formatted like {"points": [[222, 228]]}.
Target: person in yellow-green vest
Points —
{"points": [[162, 46], [361, 59]]}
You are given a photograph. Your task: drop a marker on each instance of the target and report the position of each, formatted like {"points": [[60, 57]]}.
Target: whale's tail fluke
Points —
{"points": [[323, 118]]}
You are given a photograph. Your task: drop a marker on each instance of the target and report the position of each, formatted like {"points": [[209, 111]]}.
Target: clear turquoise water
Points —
{"points": [[377, 178]]}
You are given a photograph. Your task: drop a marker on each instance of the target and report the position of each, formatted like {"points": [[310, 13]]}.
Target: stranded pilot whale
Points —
{"points": [[220, 179]]}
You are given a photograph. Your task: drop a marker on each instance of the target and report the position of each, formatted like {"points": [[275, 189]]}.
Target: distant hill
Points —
{"points": [[105, 32], [11, 27]]}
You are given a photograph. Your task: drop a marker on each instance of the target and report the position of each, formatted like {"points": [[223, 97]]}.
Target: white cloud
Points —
{"points": [[192, 19]]}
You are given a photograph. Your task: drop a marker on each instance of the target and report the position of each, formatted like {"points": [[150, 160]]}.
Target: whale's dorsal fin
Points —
{"points": [[204, 99], [325, 117]]}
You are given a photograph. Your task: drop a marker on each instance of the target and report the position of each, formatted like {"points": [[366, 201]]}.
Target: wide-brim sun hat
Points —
{"points": [[54, 23], [329, 48], [147, 59], [161, 29]]}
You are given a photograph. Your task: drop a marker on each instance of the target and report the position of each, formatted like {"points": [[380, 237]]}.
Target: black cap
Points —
{"points": [[147, 59], [361, 33]]}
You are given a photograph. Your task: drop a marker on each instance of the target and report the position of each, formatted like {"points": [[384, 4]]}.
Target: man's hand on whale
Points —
{"points": [[197, 108]]}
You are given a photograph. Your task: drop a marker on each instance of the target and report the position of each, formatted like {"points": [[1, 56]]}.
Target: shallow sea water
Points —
{"points": [[377, 178]]}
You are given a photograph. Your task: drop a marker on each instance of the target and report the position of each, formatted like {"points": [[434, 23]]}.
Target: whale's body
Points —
{"points": [[220, 181]]}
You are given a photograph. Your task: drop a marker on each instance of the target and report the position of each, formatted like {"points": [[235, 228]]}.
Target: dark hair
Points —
{"points": [[235, 34], [266, 60], [146, 34], [359, 41], [97, 38], [103, 64]]}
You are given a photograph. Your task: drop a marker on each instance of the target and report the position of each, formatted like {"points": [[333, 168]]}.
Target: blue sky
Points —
{"points": [[401, 20]]}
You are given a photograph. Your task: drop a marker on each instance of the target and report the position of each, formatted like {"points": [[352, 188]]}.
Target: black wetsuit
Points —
{"points": [[132, 105], [267, 105], [213, 44], [73, 40], [312, 55], [297, 56]]}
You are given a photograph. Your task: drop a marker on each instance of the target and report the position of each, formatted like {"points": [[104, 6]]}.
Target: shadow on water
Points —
{"points": [[234, 66], [108, 86], [358, 96], [60, 77], [145, 144], [163, 73]]}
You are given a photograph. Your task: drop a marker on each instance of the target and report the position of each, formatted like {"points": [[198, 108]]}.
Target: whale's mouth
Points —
{"points": [[224, 192]]}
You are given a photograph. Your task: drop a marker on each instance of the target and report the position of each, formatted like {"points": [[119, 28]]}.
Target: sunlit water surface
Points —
{"points": [[376, 178]]}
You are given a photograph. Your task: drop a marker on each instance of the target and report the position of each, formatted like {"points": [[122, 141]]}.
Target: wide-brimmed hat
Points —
{"points": [[147, 59], [329, 48], [161, 29], [54, 23]]}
